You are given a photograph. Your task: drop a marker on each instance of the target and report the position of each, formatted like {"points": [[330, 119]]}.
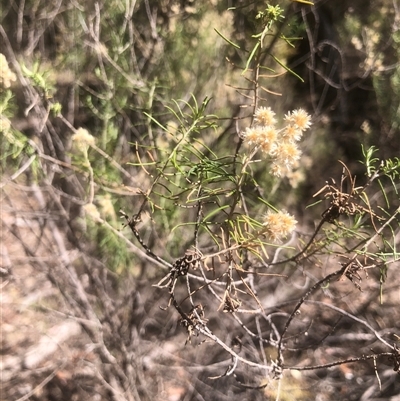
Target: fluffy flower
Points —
{"points": [[292, 133], [278, 225], [268, 134], [279, 143], [268, 139], [107, 207], [287, 153], [6, 75], [5, 124], [279, 169], [265, 116], [299, 118], [91, 210], [263, 136], [82, 137], [253, 135]]}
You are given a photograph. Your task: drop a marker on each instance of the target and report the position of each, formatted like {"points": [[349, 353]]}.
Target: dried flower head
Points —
{"points": [[253, 135], [279, 169], [278, 225], [299, 118], [107, 207], [6, 75], [268, 138], [287, 153], [91, 210], [280, 144], [82, 137], [265, 116], [291, 133], [268, 134]]}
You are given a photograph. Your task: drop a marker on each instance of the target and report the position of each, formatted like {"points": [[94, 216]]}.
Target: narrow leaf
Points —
{"points": [[304, 2], [155, 121], [226, 39], [251, 57], [287, 68]]}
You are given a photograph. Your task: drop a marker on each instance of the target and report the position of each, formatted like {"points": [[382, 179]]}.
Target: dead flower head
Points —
{"points": [[278, 225]]}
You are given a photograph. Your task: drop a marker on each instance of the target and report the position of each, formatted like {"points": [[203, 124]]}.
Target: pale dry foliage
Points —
{"points": [[204, 321]]}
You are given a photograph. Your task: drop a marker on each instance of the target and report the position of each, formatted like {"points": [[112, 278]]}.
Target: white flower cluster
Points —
{"points": [[83, 137], [5, 123], [278, 225], [279, 144], [6, 75]]}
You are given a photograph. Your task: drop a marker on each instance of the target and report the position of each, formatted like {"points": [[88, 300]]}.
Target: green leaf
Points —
{"points": [[226, 39], [251, 57], [287, 68], [155, 121]]}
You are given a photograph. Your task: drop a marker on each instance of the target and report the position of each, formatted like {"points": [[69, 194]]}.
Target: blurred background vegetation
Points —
{"points": [[114, 68]]}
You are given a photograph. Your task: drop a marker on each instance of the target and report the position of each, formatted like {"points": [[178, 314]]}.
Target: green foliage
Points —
{"points": [[13, 144], [112, 252], [6, 102], [371, 34]]}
